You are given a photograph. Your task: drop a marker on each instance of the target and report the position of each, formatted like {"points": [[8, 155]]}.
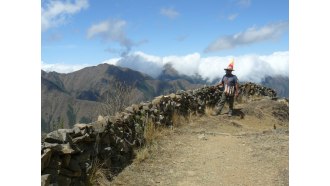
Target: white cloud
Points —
{"points": [[111, 31], [232, 17], [112, 61], [247, 67], [250, 36], [61, 68], [55, 13], [169, 12]]}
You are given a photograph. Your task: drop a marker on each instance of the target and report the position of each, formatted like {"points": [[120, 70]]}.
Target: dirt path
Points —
{"points": [[215, 151]]}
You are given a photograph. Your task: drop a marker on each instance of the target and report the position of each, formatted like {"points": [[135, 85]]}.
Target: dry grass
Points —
{"points": [[142, 154], [97, 176], [208, 110], [193, 116], [178, 120], [152, 133]]}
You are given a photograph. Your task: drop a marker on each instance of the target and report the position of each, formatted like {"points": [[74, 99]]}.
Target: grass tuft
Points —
{"points": [[208, 110], [98, 175]]}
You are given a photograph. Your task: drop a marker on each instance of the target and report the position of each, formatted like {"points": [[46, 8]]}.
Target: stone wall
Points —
{"points": [[68, 155]]}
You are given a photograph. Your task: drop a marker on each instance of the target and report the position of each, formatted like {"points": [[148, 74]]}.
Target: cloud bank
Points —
{"points": [[61, 68], [250, 36], [55, 13], [247, 67]]}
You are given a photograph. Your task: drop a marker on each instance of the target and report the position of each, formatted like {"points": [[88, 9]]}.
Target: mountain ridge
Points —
{"points": [[62, 93]]}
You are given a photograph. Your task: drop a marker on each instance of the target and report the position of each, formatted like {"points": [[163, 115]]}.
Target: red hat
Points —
{"points": [[230, 66]]}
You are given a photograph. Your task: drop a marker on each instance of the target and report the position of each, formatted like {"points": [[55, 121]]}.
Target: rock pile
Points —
{"points": [[69, 155]]}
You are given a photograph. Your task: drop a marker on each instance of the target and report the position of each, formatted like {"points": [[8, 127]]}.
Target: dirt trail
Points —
{"points": [[215, 151]]}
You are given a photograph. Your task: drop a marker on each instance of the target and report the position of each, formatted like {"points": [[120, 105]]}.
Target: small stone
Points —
{"points": [[202, 137]]}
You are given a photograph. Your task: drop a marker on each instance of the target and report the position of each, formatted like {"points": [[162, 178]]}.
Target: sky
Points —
{"points": [[196, 37], [23, 49]]}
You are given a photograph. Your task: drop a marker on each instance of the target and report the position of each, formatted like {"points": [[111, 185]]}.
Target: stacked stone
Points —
{"points": [[69, 154], [66, 155], [252, 89]]}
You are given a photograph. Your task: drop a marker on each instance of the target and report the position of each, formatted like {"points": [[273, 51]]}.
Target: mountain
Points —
{"points": [[169, 73], [279, 83], [79, 96]]}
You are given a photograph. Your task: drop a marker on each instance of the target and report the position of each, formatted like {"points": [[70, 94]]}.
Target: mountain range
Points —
{"points": [[78, 96]]}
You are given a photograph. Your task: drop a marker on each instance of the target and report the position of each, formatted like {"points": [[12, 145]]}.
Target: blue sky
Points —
{"points": [[83, 32]]}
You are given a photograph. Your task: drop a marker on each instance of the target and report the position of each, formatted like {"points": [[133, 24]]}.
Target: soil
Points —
{"points": [[217, 150]]}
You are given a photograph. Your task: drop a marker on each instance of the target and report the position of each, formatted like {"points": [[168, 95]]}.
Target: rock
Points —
{"points": [[54, 164], [66, 160], [74, 166], [145, 107], [45, 179], [85, 137], [172, 96], [45, 158], [66, 149], [52, 146], [100, 118], [202, 137], [180, 92], [77, 182], [129, 110], [84, 131], [135, 107], [59, 136], [85, 156], [69, 173], [82, 126], [61, 148], [63, 180], [156, 101], [76, 131]]}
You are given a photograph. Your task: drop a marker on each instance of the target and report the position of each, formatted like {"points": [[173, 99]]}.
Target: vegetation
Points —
{"points": [[98, 175], [117, 99]]}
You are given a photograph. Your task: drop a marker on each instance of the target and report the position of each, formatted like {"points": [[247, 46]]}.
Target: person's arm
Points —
{"points": [[220, 84]]}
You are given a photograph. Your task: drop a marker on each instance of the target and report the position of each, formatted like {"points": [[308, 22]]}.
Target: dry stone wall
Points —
{"points": [[69, 155]]}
